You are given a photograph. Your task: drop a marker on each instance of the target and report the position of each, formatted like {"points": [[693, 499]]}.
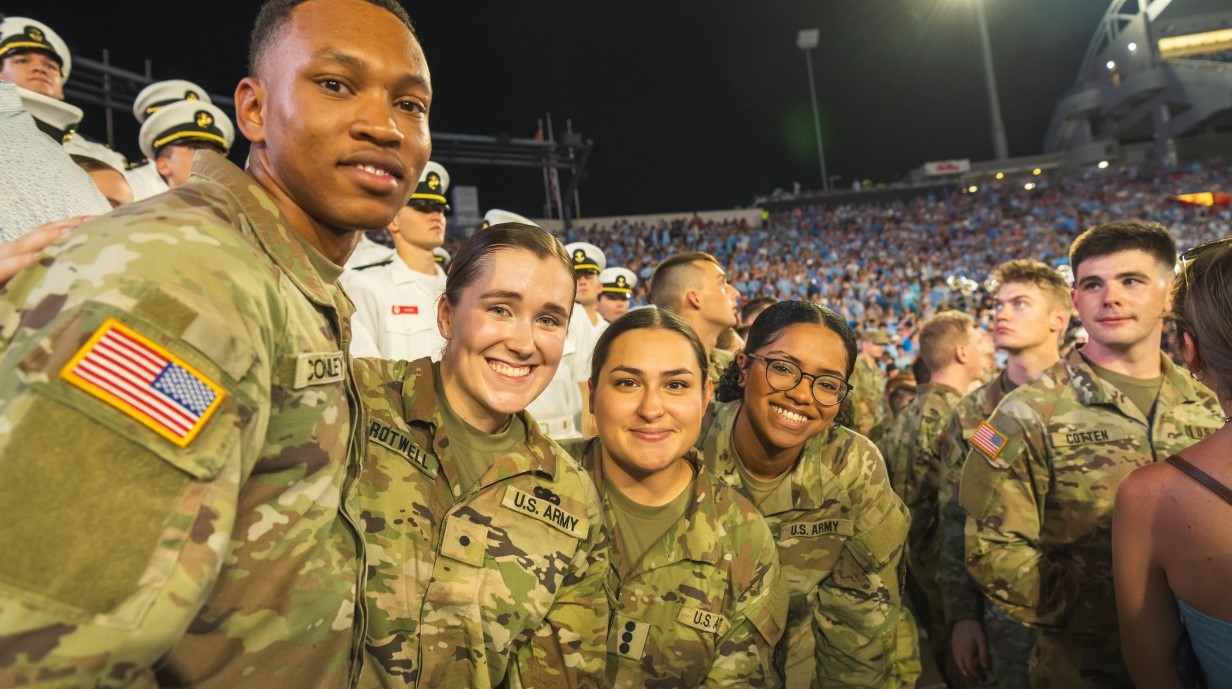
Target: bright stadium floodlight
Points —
{"points": [[1000, 175], [999, 146], [1111, 65], [1037, 172], [1132, 47], [806, 40], [1103, 164]]}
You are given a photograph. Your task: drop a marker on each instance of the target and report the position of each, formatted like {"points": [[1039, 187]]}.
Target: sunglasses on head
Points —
{"points": [[1189, 256]]}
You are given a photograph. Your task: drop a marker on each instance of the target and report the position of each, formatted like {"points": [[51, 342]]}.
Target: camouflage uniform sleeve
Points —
{"points": [[117, 529], [1003, 493], [960, 596], [858, 606], [744, 655], [569, 649]]}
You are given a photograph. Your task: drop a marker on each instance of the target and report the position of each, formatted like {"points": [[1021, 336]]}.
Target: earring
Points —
{"points": [[1195, 376]]}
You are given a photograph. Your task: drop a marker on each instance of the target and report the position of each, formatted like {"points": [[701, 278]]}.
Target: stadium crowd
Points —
{"points": [[244, 445]]}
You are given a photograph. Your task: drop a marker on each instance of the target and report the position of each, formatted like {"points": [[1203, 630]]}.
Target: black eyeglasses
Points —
{"points": [[783, 375], [428, 206], [1197, 251]]}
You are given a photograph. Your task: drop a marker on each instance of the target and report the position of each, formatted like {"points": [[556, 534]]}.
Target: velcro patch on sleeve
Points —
{"points": [[989, 440], [145, 381]]}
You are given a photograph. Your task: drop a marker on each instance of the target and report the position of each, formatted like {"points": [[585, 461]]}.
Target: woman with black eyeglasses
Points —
{"points": [[1172, 529], [821, 487]]}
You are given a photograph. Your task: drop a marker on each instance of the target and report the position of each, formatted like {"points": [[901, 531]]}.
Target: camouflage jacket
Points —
{"points": [[177, 429], [705, 606], [840, 543], [868, 385], [912, 454], [720, 359], [960, 597], [496, 584], [1040, 481]]}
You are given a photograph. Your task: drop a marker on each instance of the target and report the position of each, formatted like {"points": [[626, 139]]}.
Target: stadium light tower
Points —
{"points": [[806, 40], [999, 147]]}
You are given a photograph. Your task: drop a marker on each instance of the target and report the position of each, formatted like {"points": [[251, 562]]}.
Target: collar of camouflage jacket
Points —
{"points": [[810, 472], [1090, 389], [694, 539], [311, 272], [419, 405]]}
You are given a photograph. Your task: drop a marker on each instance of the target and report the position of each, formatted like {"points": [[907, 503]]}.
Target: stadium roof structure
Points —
{"points": [[1150, 80]]}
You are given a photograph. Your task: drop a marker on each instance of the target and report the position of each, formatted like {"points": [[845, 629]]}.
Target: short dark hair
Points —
{"points": [[649, 318], [275, 14], [769, 327], [755, 307], [91, 164], [473, 258], [1123, 235]]}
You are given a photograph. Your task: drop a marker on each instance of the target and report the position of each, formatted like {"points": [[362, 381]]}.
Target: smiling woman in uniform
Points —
{"points": [[697, 598], [823, 490], [486, 550]]}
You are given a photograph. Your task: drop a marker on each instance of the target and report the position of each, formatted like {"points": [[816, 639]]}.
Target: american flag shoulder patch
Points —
{"points": [[145, 381], [989, 440]]}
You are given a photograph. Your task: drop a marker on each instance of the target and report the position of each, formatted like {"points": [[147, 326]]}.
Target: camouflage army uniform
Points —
{"points": [[912, 454], [840, 534], [496, 584], [868, 385], [211, 549], [1039, 486], [1009, 641], [705, 606], [720, 359]]}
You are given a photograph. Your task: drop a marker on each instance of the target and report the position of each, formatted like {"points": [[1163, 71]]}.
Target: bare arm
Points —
{"points": [[1149, 621]]}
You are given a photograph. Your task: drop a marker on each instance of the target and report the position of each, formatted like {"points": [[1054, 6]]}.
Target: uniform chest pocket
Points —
{"points": [[808, 550], [406, 319]]}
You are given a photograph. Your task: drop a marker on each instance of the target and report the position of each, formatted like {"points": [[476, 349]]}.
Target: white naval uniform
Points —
{"points": [[396, 307], [366, 253], [588, 333], [558, 408], [145, 181]]}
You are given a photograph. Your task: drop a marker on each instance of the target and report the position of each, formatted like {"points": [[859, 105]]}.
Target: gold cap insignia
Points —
{"points": [[191, 95], [620, 281], [35, 33], [434, 181], [579, 256], [204, 119]]}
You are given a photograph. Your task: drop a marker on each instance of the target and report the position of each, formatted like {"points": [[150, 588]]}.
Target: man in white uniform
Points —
{"points": [[38, 61], [615, 291], [147, 179], [395, 299]]}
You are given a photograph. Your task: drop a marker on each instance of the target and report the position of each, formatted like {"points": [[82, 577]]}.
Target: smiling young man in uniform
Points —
{"points": [[179, 371], [1040, 481]]}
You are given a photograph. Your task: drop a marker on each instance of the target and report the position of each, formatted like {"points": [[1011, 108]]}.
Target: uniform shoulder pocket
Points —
{"points": [[112, 464]]}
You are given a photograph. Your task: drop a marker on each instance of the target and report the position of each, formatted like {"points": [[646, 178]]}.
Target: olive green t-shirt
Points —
{"points": [[638, 526], [760, 491], [473, 450], [1141, 391]]}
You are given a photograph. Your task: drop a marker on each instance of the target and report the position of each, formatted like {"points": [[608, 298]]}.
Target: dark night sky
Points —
{"points": [[693, 105]]}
